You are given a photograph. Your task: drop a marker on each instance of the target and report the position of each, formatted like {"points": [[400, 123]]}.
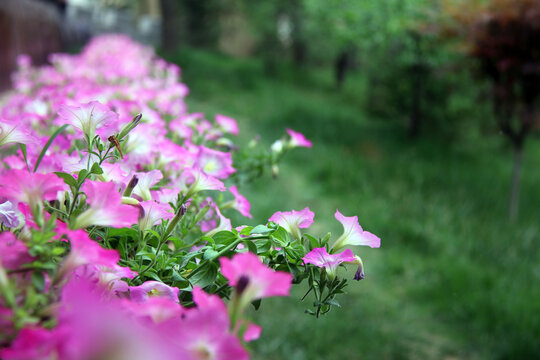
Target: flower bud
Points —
{"points": [[131, 185]]}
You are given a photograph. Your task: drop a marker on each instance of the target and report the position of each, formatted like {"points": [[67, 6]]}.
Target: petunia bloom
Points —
{"points": [[14, 133], [30, 188], [298, 139], [106, 208], [240, 202], [214, 163], [9, 215], [253, 279], [227, 124], [330, 262], [199, 181], [353, 234], [145, 181], [88, 117], [293, 221], [150, 289], [153, 213]]}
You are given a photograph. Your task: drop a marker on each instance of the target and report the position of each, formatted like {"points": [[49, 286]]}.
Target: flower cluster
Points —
{"points": [[114, 236]]}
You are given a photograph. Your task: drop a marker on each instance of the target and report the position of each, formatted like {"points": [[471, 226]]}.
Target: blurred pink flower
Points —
{"points": [[150, 289], [88, 117], [293, 221], [353, 234], [298, 139], [240, 202], [199, 181], [13, 252], [228, 124], [30, 188], [15, 133], [214, 163], [106, 208]]}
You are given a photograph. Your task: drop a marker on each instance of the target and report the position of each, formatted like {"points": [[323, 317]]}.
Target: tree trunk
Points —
{"points": [[171, 25], [516, 180]]}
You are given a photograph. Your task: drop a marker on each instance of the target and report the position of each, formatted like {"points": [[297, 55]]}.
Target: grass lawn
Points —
{"points": [[453, 278]]}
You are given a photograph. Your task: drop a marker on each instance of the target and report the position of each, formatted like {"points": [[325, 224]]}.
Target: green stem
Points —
{"points": [[225, 250]]}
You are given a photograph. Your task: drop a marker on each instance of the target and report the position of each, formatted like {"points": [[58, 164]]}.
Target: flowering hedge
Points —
{"points": [[114, 242]]}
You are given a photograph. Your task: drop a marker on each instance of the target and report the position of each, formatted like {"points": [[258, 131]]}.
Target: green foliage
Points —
{"points": [[453, 278]]}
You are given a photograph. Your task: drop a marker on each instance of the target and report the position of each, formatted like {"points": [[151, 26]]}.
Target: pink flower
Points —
{"points": [[146, 181], [298, 139], [29, 188], [150, 289], [240, 203], [153, 213], [227, 124], [353, 234], [13, 252], [88, 117], [106, 208], [9, 215], [199, 181], [214, 163], [14, 133], [321, 258], [86, 251], [34, 342], [211, 217], [293, 221], [256, 279]]}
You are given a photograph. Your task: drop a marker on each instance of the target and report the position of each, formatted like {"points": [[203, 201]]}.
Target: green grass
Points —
{"points": [[453, 278]]}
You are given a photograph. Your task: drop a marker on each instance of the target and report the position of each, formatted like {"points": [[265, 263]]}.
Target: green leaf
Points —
{"points": [[224, 237], [251, 246], [48, 144], [205, 276], [263, 245], [81, 177], [260, 229], [332, 302], [68, 179], [210, 254], [38, 280], [23, 150], [256, 304], [312, 241], [246, 231], [96, 169]]}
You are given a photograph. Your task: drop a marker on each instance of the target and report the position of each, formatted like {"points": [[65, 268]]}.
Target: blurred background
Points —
{"points": [[424, 116]]}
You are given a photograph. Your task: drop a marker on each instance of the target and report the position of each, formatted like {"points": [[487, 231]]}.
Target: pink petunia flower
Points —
{"points": [[214, 163], [228, 124], [13, 252], [106, 208], [150, 289], [253, 279], [30, 188], [199, 181], [240, 202], [15, 133], [298, 139], [9, 215], [293, 221], [146, 181], [153, 213], [353, 234], [330, 262], [88, 117]]}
